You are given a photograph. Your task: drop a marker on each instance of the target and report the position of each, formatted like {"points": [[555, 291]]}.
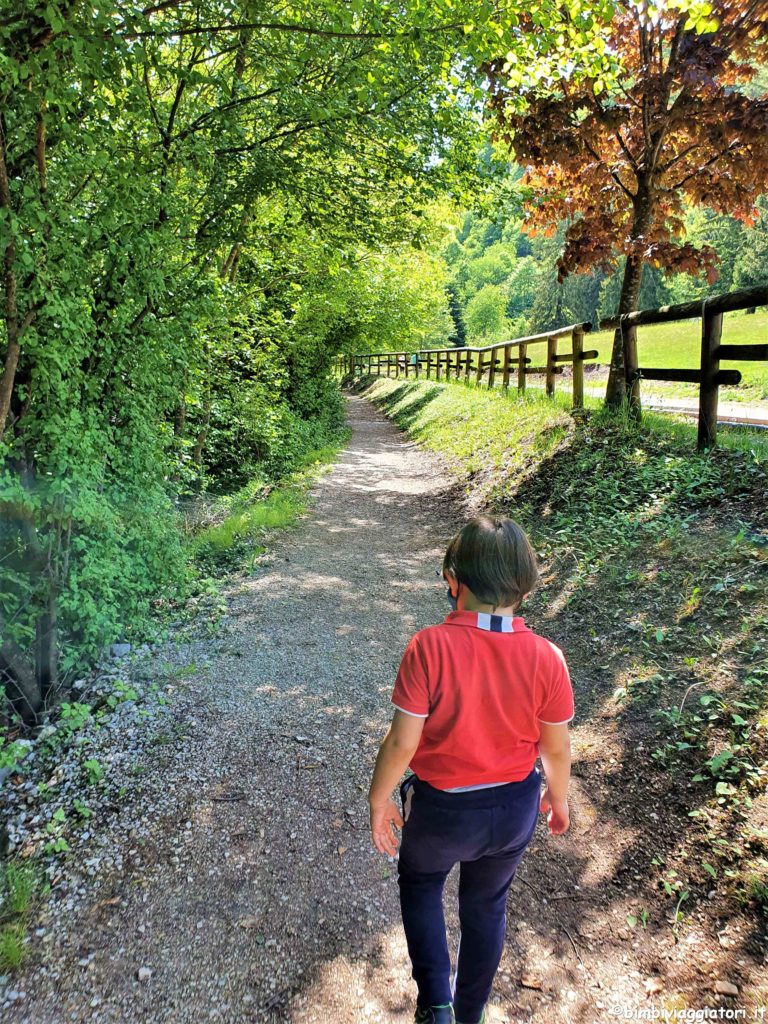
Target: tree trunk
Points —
{"points": [[180, 419], [18, 680], [197, 454], [630, 291], [11, 309], [46, 632]]}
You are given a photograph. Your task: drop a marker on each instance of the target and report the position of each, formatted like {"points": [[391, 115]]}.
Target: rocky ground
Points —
{"points": [[226, 872]]}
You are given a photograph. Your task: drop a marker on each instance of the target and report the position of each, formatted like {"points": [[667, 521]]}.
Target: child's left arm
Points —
{"points": [[395, 753]]}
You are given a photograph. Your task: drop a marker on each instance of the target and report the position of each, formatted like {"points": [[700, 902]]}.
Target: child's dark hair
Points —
{"points": [[494, 558]]}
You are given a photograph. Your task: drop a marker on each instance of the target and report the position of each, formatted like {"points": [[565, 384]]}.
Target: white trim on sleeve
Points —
{"points": [[412, 713], [565, 722]]}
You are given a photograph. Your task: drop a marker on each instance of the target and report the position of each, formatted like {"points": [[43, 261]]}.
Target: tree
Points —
{"points": [[486, 314], [151, 163], [751, 265], [618, 162], [458, 333], [521, 285]]}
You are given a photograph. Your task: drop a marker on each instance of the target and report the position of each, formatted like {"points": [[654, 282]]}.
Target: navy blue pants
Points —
{"points": [[486, 831]]}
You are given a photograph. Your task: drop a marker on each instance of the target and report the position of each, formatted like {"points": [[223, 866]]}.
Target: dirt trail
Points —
{"points": [[258, 897]]}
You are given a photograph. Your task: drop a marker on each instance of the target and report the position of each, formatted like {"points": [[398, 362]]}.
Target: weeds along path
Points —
{"points": [[255, 896]]}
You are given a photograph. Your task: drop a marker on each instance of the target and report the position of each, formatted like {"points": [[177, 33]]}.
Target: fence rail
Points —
{"points": [[508, 357], [488, 362], [708, 376]]}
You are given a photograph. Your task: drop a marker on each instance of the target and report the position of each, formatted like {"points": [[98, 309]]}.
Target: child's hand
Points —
{"points": [[383, 817], [558, 816]]}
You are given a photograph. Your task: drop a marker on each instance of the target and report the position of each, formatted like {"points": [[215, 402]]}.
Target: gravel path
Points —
{"points": [[243, 875], [227, 873]]}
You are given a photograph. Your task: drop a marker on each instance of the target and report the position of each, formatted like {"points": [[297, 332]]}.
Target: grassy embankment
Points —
{"points": [[677, 346], [656, 586]]}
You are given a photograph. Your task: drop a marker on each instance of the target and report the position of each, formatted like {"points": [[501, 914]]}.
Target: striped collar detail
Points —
{"points": [[495, 623], [486, 621]]}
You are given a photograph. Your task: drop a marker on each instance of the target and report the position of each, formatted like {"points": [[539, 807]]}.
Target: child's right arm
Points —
{"points": [[555, 752]]}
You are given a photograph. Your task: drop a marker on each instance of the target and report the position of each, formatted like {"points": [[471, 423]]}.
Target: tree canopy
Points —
{"points": [[617, 161]]}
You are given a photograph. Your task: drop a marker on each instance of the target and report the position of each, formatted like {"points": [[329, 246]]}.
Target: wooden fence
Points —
{"points": [[708, 376], [488, 364]]}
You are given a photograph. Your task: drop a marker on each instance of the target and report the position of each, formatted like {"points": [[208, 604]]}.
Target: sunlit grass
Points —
{"points": [[247, 517], [677, 346], [485, 428], [476, 426], [18, 883]]}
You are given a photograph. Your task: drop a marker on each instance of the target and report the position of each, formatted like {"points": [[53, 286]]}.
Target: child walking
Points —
{"points": [[477, 699]]}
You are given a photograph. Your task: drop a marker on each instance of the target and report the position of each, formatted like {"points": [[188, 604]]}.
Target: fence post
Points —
{"points": [[505, 367], [577, 339], [467, 366], [631, 368], [522, 353], [437, 365], [551, 353], [479, 371], [709, 389], [492, 369]]}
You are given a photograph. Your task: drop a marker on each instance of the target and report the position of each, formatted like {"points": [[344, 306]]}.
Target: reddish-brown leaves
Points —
{"points": [[678, 128]]}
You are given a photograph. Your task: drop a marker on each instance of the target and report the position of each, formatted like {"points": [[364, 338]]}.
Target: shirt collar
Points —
{"points": [[486, 621]]}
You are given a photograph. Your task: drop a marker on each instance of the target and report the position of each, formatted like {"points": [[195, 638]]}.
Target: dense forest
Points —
{"points": [[502, 282], [201, 205]]}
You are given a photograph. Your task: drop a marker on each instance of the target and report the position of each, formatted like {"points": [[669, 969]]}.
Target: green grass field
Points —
{"points": [[677, 346]]}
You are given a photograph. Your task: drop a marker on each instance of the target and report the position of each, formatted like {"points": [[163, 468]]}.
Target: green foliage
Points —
{"points": [[485, 315], [491, 249], [12, 950], [19, 883], [185, 264], [247, 517], [12, 751], [94, 771], [756, 888]]}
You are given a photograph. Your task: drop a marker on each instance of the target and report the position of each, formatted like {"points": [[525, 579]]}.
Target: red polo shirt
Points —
{"points": [[483, 683]]}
